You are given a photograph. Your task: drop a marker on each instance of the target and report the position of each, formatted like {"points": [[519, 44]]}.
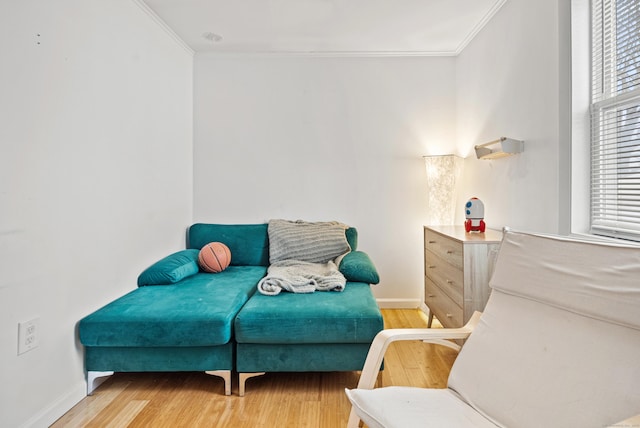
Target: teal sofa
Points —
{"points": [[183, 319]]}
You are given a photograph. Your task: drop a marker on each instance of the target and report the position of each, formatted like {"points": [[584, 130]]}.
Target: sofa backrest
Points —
{"points": [[248, 243], [559, 341]]}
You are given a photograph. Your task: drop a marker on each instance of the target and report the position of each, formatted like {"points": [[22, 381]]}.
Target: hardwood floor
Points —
{"points": [[314, 400]]}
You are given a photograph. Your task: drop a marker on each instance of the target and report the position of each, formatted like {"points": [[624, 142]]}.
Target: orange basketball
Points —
{"points": [[214, 257]]}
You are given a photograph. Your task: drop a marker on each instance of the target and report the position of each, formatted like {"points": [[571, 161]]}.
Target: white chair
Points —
{"points": [[558, 345]]}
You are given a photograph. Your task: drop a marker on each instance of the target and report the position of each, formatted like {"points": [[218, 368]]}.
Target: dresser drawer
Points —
{"points": [[446, 276], [443, 307], [445, 248]]}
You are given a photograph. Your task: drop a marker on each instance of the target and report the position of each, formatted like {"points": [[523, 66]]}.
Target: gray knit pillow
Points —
{"points": [[310, 242]]}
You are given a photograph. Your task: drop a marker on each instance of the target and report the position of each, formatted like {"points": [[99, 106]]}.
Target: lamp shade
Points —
{"points": [[443, 173]]}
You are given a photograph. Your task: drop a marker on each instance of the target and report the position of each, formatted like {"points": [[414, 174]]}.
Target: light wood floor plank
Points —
{"points": [[296, 400], [130, 411], [84, 412]]}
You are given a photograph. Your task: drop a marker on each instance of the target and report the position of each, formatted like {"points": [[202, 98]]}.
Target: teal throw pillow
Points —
{"points": [[171, 269], [356, 266]]}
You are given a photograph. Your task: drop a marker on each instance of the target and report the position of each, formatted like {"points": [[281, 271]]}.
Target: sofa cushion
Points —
{"points": [[352, 238], [249, 243], [358, 267], [414, 407], [171, 269], [582, 267], [197, 311], [351, 316]]}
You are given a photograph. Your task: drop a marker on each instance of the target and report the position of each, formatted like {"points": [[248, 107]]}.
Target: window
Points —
{"points": [[615, 118]]}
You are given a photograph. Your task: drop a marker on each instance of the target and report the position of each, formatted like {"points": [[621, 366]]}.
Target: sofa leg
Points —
{"points": [[242, 377], [225, 375], [94, 379]]}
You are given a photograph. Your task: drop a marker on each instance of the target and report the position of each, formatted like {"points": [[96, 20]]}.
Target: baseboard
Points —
{"points": [[423, 306], [399, 303], [54, 411]]}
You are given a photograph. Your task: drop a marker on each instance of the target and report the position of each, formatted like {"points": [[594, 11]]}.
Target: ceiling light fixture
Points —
{"points": [[212, 37]]}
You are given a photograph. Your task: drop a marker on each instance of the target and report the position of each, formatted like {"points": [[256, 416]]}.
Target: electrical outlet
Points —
{"points": [[28, 333]]}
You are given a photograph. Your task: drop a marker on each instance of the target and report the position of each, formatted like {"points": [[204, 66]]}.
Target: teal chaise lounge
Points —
{"points": [[183, 319]]}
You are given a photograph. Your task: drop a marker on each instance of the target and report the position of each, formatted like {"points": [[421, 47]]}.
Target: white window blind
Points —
{"points": [[615, 118]]}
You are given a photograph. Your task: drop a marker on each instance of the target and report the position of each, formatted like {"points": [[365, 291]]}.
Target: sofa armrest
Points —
{"points": [[356, 266], [386, 337]]}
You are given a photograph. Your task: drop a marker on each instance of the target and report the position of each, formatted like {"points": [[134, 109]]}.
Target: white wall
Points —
{"points": [[96, 157], [271, 126], [319, 138], [513, 80], [95, 179]]}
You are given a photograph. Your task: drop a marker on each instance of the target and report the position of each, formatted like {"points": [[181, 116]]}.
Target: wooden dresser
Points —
{"points": [[457, 268]]}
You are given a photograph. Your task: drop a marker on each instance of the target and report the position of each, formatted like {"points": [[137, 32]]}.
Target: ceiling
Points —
{"points": [[349, 27]]}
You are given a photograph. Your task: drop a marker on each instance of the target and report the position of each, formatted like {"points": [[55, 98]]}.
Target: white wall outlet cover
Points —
{"points": [[28, 333]]}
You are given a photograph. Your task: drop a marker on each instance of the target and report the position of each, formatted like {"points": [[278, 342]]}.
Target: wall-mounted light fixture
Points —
{"points": [[442, 175], [499, 148]]}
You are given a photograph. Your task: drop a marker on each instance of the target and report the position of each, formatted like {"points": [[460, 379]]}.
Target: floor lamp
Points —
{"points": [[442, 174]]}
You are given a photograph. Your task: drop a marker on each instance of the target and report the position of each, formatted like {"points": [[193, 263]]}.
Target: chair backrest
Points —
{"points": [[558, 344]]}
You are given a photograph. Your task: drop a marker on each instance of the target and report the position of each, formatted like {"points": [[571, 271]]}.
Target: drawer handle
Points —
{"points": [[449, 251], [449, 281], [432, 266], [431, 295], [432, 242], [449, 316]]}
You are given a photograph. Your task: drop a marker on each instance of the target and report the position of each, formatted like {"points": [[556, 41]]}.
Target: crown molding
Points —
{"points": [[475, 30], [324, 54], [163, 25]]}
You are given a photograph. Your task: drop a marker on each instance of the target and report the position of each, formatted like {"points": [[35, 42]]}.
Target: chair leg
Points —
{"points": [[225, 375], [354, 419], [242, 377]]}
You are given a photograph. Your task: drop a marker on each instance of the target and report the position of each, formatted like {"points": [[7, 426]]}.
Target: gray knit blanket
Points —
{"points": [[317, 242], [299, 276]]}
